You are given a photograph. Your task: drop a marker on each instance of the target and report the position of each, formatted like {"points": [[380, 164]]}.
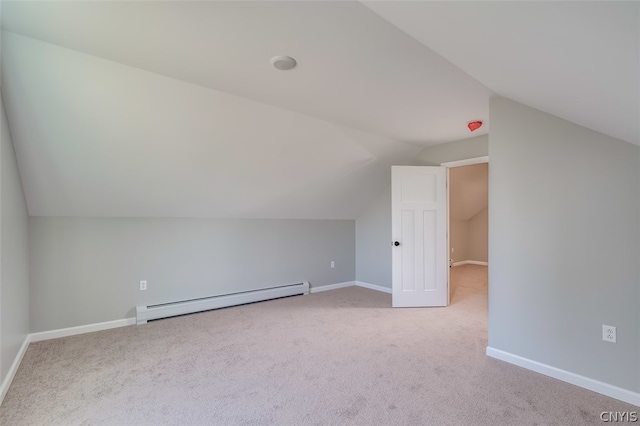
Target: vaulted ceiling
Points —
{"points": [[173, 109], [579, 60]]}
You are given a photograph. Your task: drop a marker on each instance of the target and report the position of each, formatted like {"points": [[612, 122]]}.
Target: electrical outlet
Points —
{"points": [[453, 250], [143, 285], [333, 263], [609, 333]]}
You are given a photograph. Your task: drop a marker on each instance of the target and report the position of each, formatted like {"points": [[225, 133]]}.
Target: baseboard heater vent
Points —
{"points": [[165, 310]]}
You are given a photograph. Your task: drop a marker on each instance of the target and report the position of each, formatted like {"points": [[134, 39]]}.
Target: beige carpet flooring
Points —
{"points": [[330, 358]]}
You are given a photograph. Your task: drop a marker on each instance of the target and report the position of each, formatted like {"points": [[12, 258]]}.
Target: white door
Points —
{"points": [[419, 233]]}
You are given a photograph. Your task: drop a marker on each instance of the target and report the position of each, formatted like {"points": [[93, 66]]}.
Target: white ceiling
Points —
{"points": [[98, 138], [354, 68], [579, 60], [146, 108]]}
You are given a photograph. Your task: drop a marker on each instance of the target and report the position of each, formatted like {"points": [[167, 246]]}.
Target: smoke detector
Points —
{"points": [[283, 63]]}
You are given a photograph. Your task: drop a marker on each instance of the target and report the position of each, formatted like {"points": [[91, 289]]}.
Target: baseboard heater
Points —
{"points": [[165, 310]]}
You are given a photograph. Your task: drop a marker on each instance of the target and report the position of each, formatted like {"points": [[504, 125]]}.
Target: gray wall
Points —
{"points": [[14, 255], [373, 241], [86, 271], [470, 238], [459, 240], [564, 244], [478, 242], [373, 226]]}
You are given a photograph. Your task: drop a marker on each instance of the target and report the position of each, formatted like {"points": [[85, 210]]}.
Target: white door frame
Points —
{"points": [[466, 162], [449, 165]]}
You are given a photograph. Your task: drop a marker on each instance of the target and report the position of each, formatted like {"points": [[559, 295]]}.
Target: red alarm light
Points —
{"points": [[474, 125]]}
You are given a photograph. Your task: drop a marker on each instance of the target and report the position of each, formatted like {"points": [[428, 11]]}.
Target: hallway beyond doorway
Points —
{"points": [[468, 283]]}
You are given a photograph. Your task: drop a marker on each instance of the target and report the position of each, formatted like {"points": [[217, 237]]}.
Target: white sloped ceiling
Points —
{"points": [[98, 138], [154, 109], [172, 108], [354, 68], [579, 60]]}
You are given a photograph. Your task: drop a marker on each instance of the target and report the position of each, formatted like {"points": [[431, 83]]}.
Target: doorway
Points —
{"points": [[467, 236]]}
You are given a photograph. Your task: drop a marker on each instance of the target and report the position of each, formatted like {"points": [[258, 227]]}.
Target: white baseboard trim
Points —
{"points": [[54, 334], [4, 388], [72, 331], [471, 262], [373, 287], [566, 376], [331, 287]]}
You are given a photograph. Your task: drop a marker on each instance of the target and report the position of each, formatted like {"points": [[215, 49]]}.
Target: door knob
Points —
{"points": [[396, 244]]}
